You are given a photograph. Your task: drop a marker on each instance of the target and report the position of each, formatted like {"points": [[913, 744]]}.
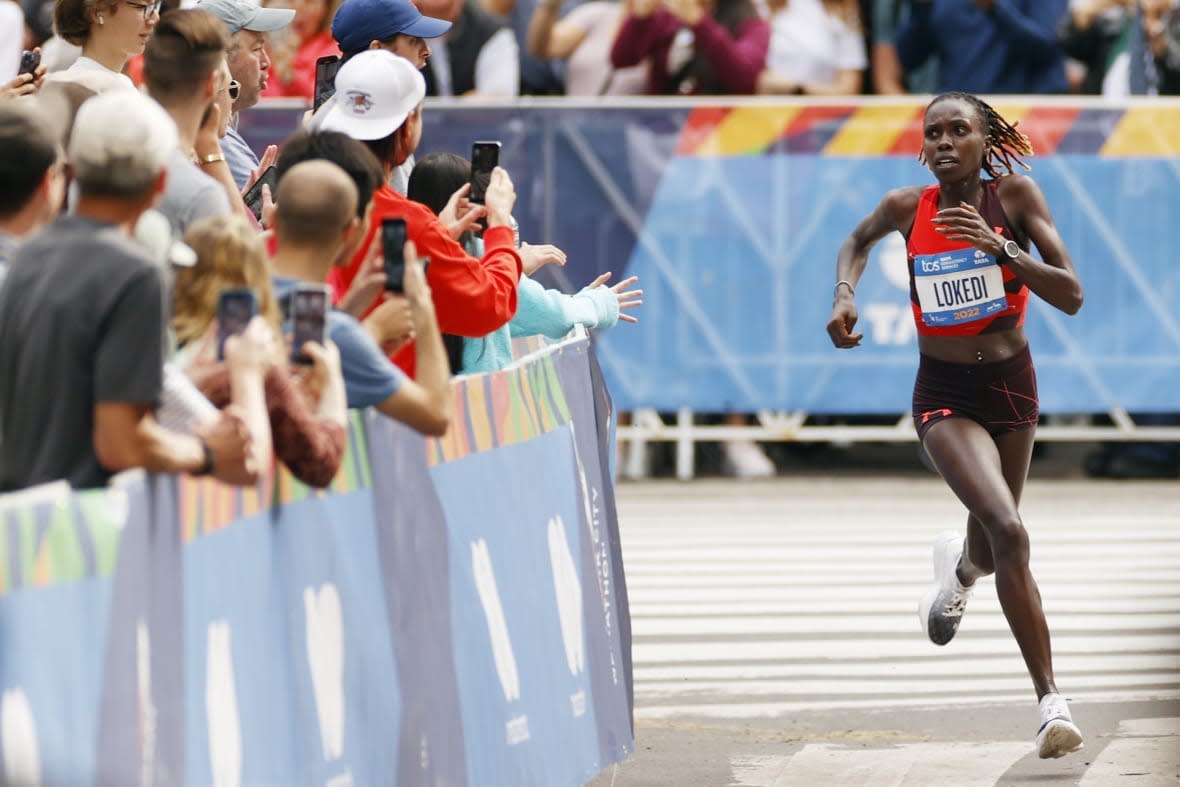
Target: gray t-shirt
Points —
{"points": [[7, 249], [369, 377], [190, 194], [81, 322]]}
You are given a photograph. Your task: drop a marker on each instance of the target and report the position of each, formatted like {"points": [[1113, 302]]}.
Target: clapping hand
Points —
{"points": [[689, 12]]}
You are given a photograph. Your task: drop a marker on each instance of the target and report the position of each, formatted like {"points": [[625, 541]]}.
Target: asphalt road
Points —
{"points": [[776, 640]]}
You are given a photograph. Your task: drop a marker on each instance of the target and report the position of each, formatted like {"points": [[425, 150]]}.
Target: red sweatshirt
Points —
{"points": [[471, 297], [737, 62]]}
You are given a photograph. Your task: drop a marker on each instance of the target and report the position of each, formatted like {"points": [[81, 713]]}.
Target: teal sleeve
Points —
{"points": [[552, 313]]}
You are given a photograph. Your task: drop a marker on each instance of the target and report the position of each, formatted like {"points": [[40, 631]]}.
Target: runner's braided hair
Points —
{"points": [[1005, 144]]}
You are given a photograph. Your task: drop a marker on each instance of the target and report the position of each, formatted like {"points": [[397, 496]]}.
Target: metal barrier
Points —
{"points": [[732, 212]]}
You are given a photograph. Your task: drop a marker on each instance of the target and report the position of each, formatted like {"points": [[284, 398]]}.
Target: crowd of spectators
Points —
{"points": [[125, 232], [504, 48], [122, 141]]}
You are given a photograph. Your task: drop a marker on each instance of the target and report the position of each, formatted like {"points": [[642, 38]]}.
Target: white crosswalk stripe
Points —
{"points": [[742, 616], [961, 764]]}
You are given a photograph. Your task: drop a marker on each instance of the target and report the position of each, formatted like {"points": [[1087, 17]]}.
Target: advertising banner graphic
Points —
{"points": [[450, 611]]}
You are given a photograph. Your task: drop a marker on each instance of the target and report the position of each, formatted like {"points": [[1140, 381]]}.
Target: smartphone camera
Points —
{"points": [[309, 310], [235, 308], [485, 157], [253, 197], [29, 61], [325, 80], [393, 241]]}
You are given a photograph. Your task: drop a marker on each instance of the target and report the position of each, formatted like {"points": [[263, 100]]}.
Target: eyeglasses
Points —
{"points": [[148, 9], [234, 87]]}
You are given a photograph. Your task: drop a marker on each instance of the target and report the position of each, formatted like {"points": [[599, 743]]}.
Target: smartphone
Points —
{"points": [[325, 80], [253, 197], [235, 308], [29, 61], [485, 156], [393, 241], [309, 312]]}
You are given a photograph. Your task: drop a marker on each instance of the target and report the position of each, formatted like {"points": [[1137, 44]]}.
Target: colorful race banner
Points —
{"points": [[732, 211], [449, 612]]}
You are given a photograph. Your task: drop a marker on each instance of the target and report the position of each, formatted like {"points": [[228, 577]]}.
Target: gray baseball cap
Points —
{"points": [[247, 15]]}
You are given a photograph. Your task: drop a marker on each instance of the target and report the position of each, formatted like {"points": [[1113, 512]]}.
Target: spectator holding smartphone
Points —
{"points": [[542, 311], [307, 407], [473, 296], [30, 74], [317, 227], [249, 61], [78, 404]]}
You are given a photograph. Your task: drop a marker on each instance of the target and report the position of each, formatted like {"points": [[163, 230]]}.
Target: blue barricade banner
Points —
{"points": [[450, 611], [733, 213]]}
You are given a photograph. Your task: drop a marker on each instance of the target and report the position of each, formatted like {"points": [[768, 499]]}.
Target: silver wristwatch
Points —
{"points": [[1011, 249]]}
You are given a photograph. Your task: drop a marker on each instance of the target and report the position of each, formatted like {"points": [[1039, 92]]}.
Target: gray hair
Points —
{"points": [[120, 144]]}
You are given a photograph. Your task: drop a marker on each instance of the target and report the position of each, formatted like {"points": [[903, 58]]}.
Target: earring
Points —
{"points": [[100, 20]]}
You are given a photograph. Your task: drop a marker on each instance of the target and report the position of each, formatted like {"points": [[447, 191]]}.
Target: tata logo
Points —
{"points": [[359, 102], [980, 254]]}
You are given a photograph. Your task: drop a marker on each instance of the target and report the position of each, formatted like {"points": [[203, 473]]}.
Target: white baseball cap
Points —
{"points": [[376, 91]]}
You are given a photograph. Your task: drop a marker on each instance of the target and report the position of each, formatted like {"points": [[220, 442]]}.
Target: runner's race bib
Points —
{"points": [[958, 286]]}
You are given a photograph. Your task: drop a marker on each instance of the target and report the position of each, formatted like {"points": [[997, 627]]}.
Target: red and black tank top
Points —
{"points": [[956, 289]]}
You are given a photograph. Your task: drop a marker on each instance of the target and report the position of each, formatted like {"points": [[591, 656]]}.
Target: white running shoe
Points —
{"points": [[746, 459], [1058, 735], [941, 608]]}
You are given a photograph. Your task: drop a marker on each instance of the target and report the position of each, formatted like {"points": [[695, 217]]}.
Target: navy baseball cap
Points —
{"points": [[359, 22]]}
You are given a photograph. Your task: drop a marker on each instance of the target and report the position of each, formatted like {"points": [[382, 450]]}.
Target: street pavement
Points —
{"points": [[776, 639]]}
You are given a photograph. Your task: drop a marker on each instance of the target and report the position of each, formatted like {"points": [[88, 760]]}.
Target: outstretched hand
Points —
{"points": [[964, 223], [628, 299], [533, 257]]}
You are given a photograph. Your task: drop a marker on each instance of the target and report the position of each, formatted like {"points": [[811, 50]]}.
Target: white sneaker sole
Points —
{"points": [[946, 558], [1058, 738]]}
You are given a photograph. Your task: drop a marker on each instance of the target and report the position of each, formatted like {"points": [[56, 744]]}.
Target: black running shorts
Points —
{"points": [[1000, 396]]}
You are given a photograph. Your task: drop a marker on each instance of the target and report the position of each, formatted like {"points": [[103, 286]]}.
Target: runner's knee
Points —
{"points": [[1007, 536]]}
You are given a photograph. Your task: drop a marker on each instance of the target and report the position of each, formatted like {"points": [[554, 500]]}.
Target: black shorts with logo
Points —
{"points": [[1000, 396]]}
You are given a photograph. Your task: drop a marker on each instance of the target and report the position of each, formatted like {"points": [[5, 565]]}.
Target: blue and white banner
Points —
{"points": [[732, 212], [450, 612]]}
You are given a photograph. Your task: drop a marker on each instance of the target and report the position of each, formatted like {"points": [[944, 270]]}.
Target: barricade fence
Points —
{"points": [[731, 211], [450, 611]]}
